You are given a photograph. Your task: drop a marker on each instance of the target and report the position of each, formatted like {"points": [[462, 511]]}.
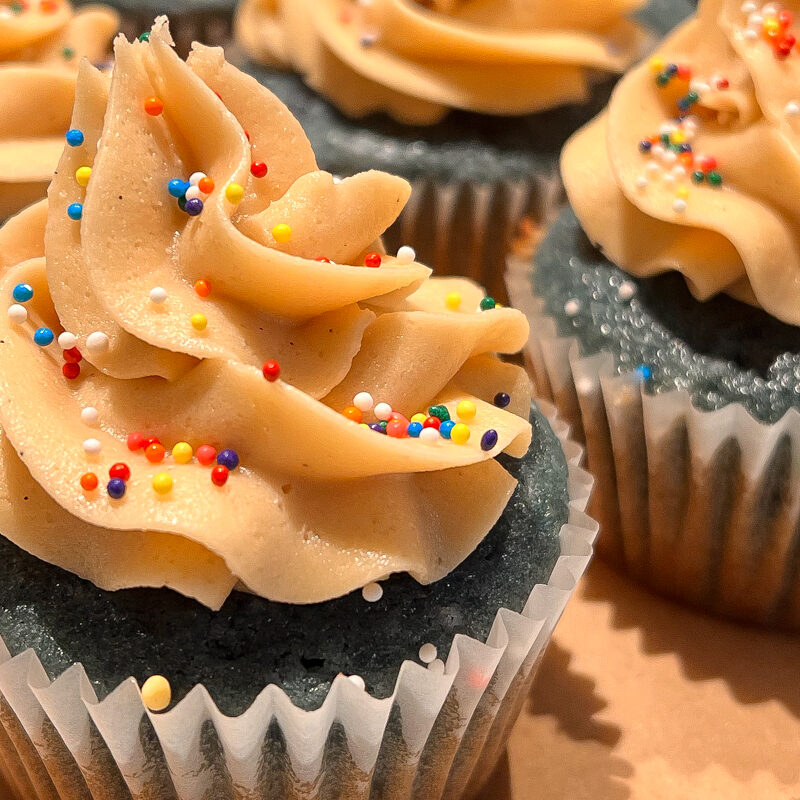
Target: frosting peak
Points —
{"points": [[417, 60], [204, 290], [695, 164]]}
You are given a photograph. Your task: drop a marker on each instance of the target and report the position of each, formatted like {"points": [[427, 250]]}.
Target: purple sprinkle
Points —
{"points": [[376, 426], [501, 400], [489, 440], [193, 207]]}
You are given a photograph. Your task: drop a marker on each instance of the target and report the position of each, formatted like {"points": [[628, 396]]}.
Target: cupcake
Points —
{"points": [[41, 45], [471, 102], [665, 305], [215, 479]]}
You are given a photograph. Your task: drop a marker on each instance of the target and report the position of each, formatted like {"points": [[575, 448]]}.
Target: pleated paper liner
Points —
{"points": [[466, 228], [701, 506], [438, 735]]}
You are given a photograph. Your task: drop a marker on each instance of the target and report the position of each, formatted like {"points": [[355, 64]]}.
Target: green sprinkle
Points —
{"points": [[714, 178], [68, 53], [440, 412], [662, 79], [144, 37], [698, 176], [487, 304]]}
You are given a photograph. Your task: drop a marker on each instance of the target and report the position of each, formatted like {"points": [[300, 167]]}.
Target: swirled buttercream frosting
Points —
{"points": [[41, 45], [417, 60], [212, 375], [694, 166]]}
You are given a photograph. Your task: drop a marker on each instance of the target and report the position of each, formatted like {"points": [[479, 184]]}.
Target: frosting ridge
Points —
{"points": [[169, 322]]}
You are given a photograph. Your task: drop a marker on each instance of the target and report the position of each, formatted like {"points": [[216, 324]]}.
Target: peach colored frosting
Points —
{"points": [[726, 214], [41, 45], [417, 60], [318, 504]]}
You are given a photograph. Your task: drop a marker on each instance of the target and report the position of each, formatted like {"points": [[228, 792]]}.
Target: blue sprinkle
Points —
{"points": [[645, 146], [644, 372], [22, 292], [74, 137], [414, 429], [228, 458], [75, 211], [43, 337], [489, 440], [177, 188], [116, 488], [193, 207], [446, 427], [501, 399]]}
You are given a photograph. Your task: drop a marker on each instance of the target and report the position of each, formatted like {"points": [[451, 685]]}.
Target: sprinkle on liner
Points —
{"points": [[156, 693]]}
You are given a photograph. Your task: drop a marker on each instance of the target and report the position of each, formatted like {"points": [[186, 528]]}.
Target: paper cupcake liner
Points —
{"points": [[438, 735], [466, 228], [702, 506]]}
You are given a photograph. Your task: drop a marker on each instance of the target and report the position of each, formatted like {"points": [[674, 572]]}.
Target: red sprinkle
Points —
{"points": [[258, 169], [323, 260], [89, 482], [72, 356], [397, 429], [135, 441], [684, 72], [120, 470], [271, 370], [206, 454], [219, 475], [373, 260], [70, 371], [432, 422], [150, 440]]}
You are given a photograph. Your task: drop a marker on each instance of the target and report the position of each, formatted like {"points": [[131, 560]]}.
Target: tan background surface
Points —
{"points": [[639, 698]]}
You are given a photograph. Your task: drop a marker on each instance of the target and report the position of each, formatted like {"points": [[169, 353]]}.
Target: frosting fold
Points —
{"points": [[416, 60]]}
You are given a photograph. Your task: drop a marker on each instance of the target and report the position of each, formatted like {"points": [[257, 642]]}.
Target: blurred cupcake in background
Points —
{"points": [[471, 101], [41, 45], [666, 313]]}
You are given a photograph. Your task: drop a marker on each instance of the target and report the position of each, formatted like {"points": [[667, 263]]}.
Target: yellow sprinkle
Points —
{"points": [[156, 693], [82, 175], [453, 301], [678, 137], [162, 482], [657, 65], [771, 25], [466, 410], [199, 322], [182, 452], [282, 233], [460, 433], [418, 418], [683, 192], [234, 193]]}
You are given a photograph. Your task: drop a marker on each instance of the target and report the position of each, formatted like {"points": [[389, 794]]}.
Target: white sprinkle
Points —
{"points": [[97, 342], [652, 167], [792, 108], [196, 177], [67, 340], [669, 179], [383, 411], [92, 446], [363, 401], [627, 289], [429, 436], [406, 254], [669, 157], [427, 653], [699, 86], [337, 179], [668, 127], [641, 182], [748, 7], [679, 205], [769, 10], [194, 193], [750, 34], [755, 21], [17, 313], [437, 666], [372, 592], [358, 681], [572, 307], [90, 416], [158, 294], [679, 171], [690, 124]]}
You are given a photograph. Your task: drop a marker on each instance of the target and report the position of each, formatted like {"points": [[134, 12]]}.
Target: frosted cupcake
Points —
{"points": [[248, 451], [469, 101], [41, 45], [676, 353]]}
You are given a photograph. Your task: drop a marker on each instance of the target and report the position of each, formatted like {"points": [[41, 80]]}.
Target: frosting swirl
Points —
{"points": [[695, 164], [41, 45], [168, 310], [417, 60]]}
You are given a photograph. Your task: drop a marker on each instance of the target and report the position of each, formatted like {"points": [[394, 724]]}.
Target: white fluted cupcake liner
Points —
{"points": [[700, 506], [438, 736], [466, 228]]}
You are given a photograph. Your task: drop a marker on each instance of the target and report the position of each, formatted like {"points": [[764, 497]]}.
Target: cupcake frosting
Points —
{"points": [[196, 282], [41, 45], [416, 60], [694, 166]]}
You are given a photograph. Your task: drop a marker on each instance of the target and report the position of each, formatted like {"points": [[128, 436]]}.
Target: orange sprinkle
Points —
{"points": [[353, 414], [202, 287], [206, 185], [89, 482], [155, 453], [153, 106]]}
